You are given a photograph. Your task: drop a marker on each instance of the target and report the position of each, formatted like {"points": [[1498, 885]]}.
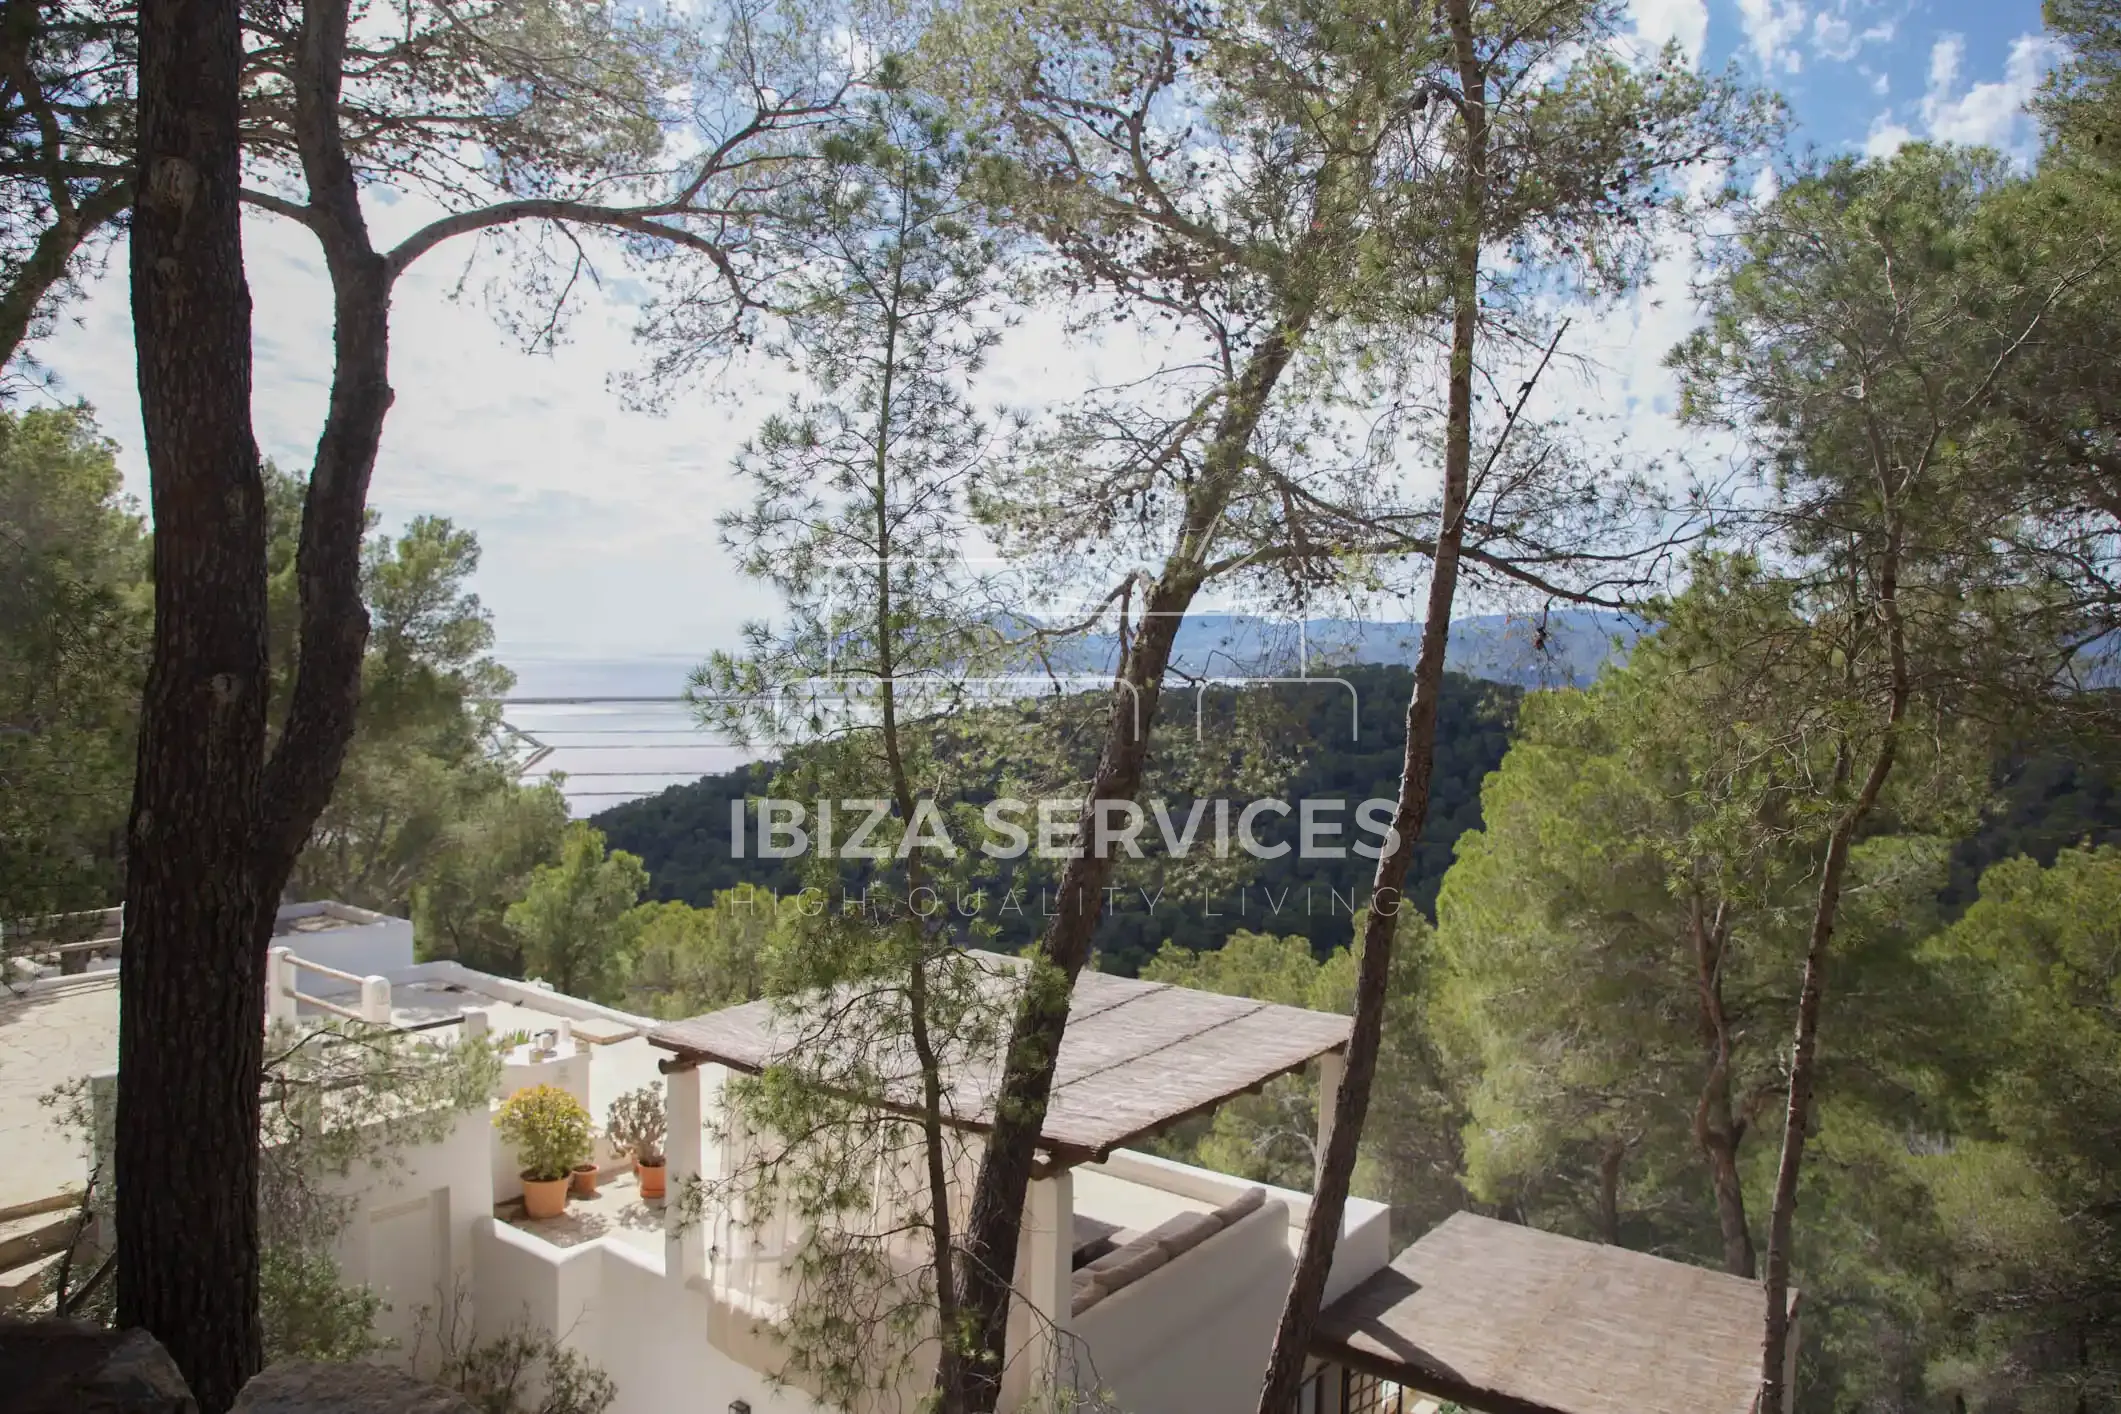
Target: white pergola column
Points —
{"points": [[1331, 1066], [684, 1246], [1040, 1320]]}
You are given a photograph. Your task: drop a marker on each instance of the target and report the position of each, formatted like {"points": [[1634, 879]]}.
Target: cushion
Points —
{"points": [[1249, 1201], [1184, 1232], [1140, 1261], [1116, 1256]]}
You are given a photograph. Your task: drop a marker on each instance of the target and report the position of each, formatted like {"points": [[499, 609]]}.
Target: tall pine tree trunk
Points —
{"points": [[1804, 1052], [197, 910], [1351, 1103], [215, 826], [1804, 1065], [1717, 1127], [987, 1270]]}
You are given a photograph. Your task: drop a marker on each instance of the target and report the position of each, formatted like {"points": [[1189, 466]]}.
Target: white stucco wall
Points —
{"points": [[410, 1239], [1188, 1338], [611, 1304], [1365, 1243], [1192, 1337]]}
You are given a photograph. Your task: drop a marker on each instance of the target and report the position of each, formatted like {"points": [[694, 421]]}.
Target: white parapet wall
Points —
{"points": [[1191, 1337], [410, 1237], [1365, 1243], [612, 1305]]}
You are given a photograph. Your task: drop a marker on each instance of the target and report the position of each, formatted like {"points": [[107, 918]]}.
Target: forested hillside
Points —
{"points": [[428, 816], [1077, 352], [1338, 741]]}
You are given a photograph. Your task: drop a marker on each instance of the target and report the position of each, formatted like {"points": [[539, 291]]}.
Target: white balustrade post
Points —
{"points": [[280, 985], [375, 1000], [684, 1233]]}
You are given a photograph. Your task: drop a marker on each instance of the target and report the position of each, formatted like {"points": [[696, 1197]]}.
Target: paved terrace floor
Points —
{"points": [[47, 1040], [618, 1212]]}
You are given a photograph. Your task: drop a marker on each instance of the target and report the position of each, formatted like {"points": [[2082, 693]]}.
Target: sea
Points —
{"points": [[617, 728]]}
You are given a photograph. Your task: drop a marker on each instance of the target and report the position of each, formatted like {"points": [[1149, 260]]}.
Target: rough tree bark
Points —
{"points": [[216, 825], [1804, 1058], [198, 909], [988, 1263], [1718, 1129], [1351, 1103]]}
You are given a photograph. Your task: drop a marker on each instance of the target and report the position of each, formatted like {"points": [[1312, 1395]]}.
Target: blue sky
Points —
{"points": [[1861, 71], [597, 520]]}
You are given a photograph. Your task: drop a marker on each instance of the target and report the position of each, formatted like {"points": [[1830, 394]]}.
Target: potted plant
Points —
{"points": [[637, 1124], [550, 1131], [585, 1179]]}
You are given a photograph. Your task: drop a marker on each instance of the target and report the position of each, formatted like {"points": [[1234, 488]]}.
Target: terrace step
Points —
{"points": [[29, 1239]]}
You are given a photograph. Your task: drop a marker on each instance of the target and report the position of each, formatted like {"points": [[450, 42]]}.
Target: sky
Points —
{"points": [[597, 519]]}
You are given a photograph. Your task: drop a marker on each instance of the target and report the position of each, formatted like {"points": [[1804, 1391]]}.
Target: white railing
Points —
{"points": [[284, 997], [67, 941]]}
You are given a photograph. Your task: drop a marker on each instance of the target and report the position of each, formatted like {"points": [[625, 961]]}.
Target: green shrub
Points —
{"points": [[310, 1314], [549, 1129]]}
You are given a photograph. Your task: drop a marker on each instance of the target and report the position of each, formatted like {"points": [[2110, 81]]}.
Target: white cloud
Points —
{"points": [[1659, 22], [1946, 55], [1772, 28], [1886, 137], [1991, 114], [597, 523], [1840, 30], [596, 520], [1834, 37]]}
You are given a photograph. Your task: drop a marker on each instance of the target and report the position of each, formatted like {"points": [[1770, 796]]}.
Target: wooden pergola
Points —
{"points": [[1137, 1057], [1513, 1320]]}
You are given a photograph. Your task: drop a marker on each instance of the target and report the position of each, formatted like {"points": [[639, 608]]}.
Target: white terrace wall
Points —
{"points": [[411, 1237], [1365, 1243], [570, 1072], [613, 1306], [1191, 1337]]}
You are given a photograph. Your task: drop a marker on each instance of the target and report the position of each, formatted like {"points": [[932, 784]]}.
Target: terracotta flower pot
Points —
{"points": [[651, 1178], [544, 1197], [585, 1180]]}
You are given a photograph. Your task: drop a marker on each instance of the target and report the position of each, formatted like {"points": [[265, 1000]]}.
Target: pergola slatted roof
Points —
{"points": [[1137, 1056], [1513, 1320]]}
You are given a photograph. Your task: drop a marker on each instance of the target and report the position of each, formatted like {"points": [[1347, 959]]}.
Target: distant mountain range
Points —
{"points": [[1564, 648]]}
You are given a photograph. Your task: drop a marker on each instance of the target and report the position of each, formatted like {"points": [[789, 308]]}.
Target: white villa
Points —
{"points": [[1152, 1286]]}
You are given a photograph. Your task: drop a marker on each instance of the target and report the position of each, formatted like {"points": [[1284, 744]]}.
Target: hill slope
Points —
{"points": [[683, 834]]}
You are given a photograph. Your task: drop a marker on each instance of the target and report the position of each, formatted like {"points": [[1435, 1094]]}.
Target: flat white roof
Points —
{"points": [[64, 1031], [49, 1037]]}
